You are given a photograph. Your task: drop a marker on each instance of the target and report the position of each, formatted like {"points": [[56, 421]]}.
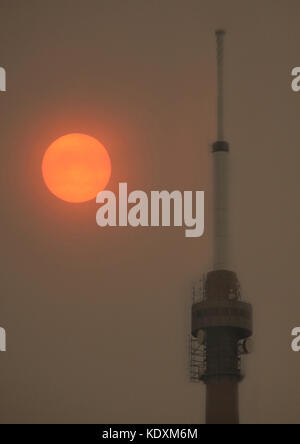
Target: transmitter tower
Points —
{"points": [[221, 321]]}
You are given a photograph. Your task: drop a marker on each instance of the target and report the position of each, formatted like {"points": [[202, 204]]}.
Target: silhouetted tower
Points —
{"points": [[221, 321]]}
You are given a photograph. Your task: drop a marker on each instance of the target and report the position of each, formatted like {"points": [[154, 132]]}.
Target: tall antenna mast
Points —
{"points": [[221, 173], [221, 322]]}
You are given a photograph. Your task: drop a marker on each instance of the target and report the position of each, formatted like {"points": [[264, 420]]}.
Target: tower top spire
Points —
{"points": [[220, 33]]}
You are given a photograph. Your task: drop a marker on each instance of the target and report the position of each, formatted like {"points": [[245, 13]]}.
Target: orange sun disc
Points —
{"points": [[76, 167]]}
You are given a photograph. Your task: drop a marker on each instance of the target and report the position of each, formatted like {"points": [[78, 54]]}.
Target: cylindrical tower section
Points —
{"points": [[221, 205], [222, 401], [226, 321], [223, 376]]}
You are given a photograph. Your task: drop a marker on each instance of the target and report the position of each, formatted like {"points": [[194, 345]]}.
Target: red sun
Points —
{"points": [[76, 167]]}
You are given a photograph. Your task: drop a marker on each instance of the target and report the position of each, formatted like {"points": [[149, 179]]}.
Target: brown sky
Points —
{"points": [[97, 319]]}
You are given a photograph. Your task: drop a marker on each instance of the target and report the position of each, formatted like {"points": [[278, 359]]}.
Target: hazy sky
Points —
{"points": [[97, 319]]}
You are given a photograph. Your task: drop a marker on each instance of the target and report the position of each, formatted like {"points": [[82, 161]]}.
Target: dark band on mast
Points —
{"points": [[221, 145]]}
